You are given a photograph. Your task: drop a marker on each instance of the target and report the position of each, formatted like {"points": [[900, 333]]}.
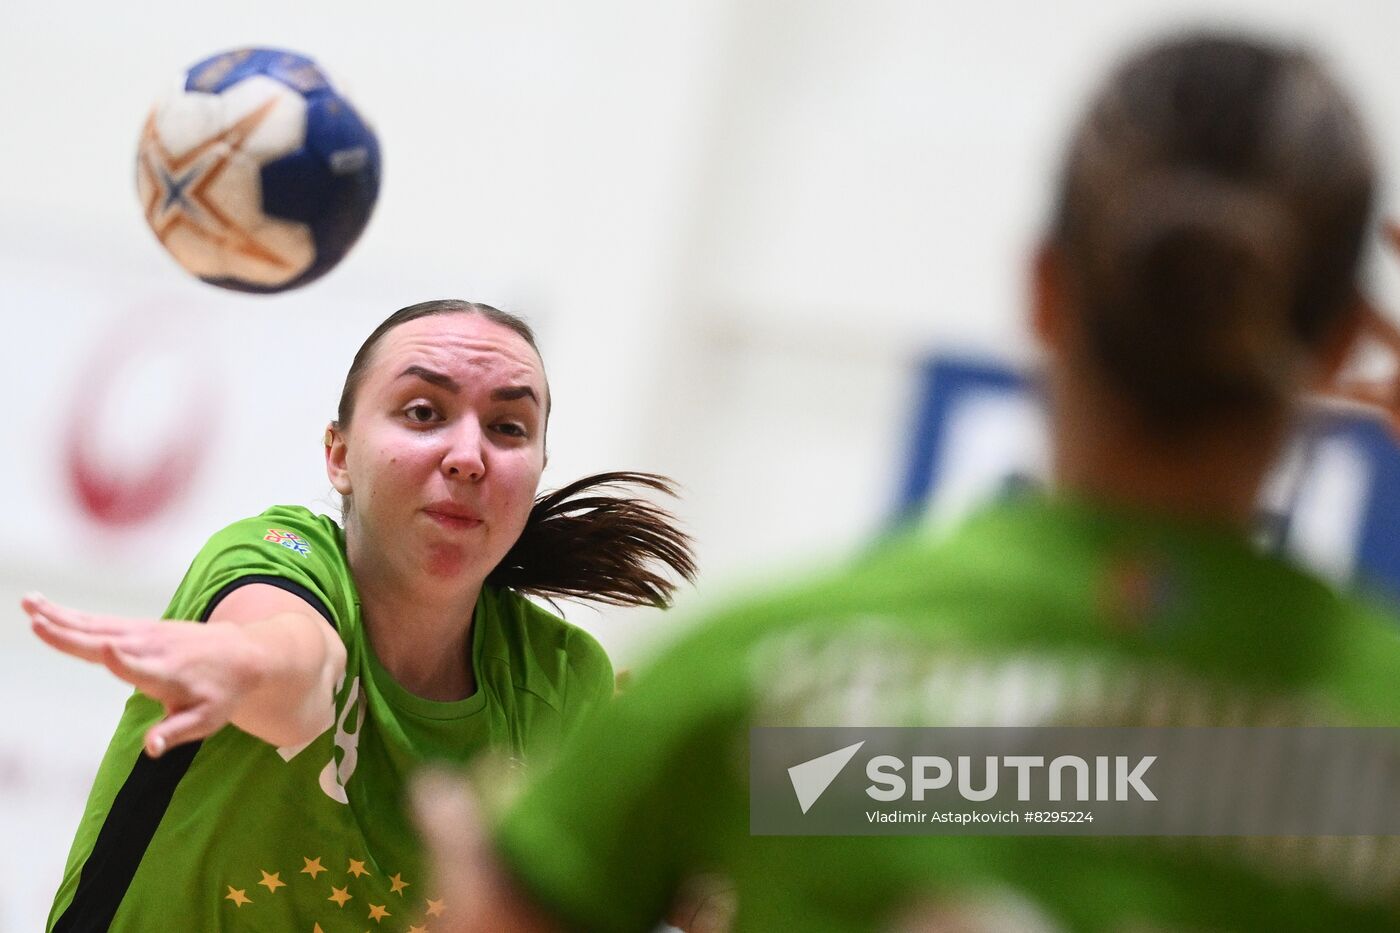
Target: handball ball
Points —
{"points": [[255, 173]]}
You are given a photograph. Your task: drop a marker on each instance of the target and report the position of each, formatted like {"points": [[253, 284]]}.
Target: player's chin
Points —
{"points": [[455, 560], [445, 562]]}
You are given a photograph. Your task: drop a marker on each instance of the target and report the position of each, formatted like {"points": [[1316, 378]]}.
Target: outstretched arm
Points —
{"points": [[265, 661]]}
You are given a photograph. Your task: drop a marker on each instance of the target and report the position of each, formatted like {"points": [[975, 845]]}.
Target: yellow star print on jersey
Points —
{"points": [[357, 884], [232, 834]]}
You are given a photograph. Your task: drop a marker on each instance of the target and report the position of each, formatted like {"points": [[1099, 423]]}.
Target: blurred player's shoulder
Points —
{"points": [[1363, 666], [1067, 601]]}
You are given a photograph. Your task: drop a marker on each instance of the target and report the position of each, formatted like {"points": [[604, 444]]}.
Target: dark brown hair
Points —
{"points": [[1211, 216], [602, 547]]}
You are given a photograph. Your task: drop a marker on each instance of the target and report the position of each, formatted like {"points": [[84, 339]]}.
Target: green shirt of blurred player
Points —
{"points": [[1035, 613], [1199, 274]]}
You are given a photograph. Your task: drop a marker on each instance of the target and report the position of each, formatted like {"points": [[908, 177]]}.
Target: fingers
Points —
{"points": [[1377, 325], [1376, 394], [141, 674], [36, 604], [706, 904], [76, 643], [107, 640], [448, 818], [480, 894], [101, 649], [1383, 335], [187, 725]]}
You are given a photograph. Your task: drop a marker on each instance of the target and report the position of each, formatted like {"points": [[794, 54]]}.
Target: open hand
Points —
{"points": [[479, 894], [199, 673], [1377, 328]]}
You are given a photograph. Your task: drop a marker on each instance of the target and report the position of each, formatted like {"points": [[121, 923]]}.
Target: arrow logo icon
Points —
{"points": [[811, 778]]}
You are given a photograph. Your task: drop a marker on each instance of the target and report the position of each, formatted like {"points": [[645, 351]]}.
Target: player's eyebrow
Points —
{"points": [[511, 393], [433, 378], [442, 380]]}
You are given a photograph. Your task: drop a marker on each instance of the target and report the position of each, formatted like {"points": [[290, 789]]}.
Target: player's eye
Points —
{"points": [[421, 413], [511, 429]]}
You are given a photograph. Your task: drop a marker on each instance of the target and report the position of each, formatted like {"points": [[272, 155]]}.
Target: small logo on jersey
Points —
{"points": [[290, 541], [1137, 590]]}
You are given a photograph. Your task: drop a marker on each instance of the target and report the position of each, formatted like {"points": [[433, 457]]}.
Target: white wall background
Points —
{"points": [[736, 225]]}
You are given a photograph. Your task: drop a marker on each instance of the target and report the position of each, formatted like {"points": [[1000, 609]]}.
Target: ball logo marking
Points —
{"points": [[171, 206]]}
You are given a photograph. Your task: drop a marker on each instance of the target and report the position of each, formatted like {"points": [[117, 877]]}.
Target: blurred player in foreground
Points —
{"points": [[346, 657], [1199, 275]]}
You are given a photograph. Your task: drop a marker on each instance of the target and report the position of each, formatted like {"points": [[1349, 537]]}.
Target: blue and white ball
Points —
{"points": [[255, 173]]}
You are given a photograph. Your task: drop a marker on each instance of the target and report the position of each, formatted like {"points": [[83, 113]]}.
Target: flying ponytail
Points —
{"points": [[586, 542]]}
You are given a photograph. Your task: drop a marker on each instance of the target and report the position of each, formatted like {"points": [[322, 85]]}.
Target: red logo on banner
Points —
{"points": [[123, 491]]}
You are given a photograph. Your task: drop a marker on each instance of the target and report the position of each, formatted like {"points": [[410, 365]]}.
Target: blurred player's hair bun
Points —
{"points": [[1211, 216]]}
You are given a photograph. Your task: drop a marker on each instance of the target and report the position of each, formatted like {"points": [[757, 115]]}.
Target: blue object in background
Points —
{"points": [[1333, 503]]}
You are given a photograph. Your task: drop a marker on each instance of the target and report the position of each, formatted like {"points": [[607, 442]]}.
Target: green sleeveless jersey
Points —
{"points": [[1033, 613], [233, 834]]}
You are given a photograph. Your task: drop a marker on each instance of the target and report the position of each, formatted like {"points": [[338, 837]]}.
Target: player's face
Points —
{"points": [[443, 454]]}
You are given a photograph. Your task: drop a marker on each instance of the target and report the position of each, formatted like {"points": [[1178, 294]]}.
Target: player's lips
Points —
{"points": [[452, 515]]}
